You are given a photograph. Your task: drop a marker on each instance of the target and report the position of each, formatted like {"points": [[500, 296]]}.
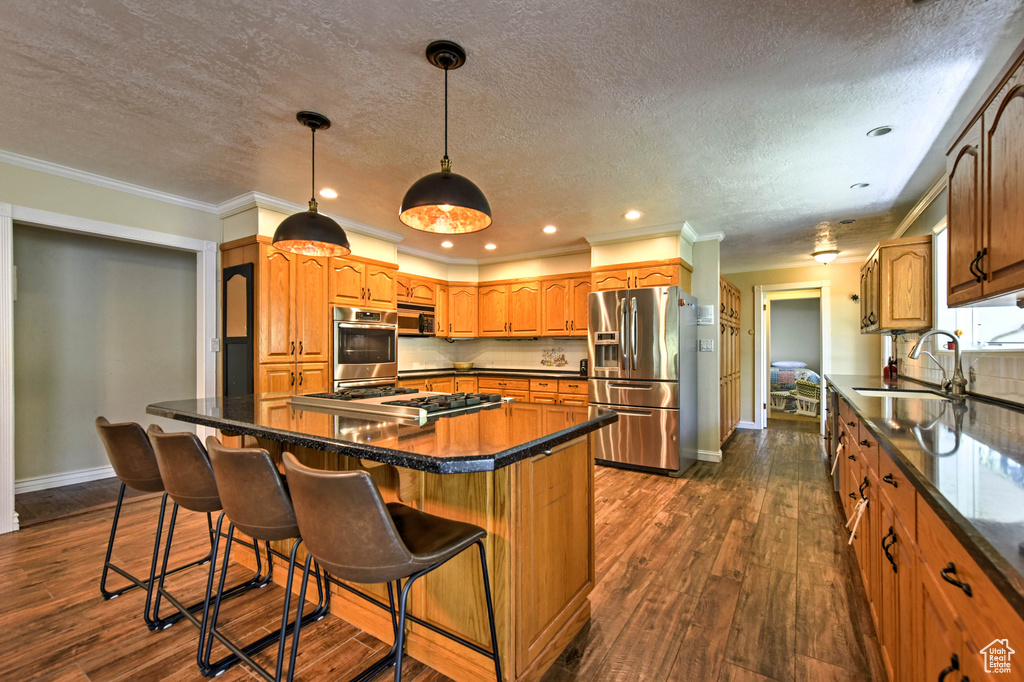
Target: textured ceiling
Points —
{"points": [[747, 118]]}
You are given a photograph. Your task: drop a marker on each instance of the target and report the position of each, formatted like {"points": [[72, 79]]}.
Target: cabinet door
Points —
{"points": [[904, 553], [963, 209], [418, 384], [465, 384], [494, 310], [579, 296], [313, 326], [462, 312], [610, 279], [521, 396], [313, 377], [442, 384], [544, 398], [1003, 264], [277, 307], [381, 287], [347, 281], [441, 312], [555, 308], [864, 303], [906, 287], [656, 276], [888, 601], [873, 294], [524, 309], [939, 645], [421, 292], [276, 378], [402, 288]]}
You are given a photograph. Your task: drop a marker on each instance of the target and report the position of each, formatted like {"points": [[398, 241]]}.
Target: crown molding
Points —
{"points": [[919, 208], [796, 264], [102, 181], [631, 235], [712, 236], [420, 253], [546, 253], [690, 234]]}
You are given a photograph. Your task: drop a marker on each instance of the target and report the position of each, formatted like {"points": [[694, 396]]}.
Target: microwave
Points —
{"points": [[415, 320]]}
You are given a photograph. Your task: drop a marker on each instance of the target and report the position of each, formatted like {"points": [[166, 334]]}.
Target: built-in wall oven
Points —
{"points": [[365, 346]]}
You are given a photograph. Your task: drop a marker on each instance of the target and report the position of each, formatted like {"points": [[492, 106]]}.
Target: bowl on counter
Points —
{"points": [[462, 366]]}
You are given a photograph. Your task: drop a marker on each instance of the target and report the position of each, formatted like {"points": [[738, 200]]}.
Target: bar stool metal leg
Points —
{"points": [[490, 611]]}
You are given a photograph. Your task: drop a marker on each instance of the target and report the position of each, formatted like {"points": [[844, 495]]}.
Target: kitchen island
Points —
{"points": [[522, 471]]}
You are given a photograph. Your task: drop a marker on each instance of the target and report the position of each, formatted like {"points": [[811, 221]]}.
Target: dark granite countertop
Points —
{"points": [[489, 371], [483, 439], [966, 459]]}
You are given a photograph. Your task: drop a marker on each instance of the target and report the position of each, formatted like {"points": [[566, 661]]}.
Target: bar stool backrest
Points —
{"points": [[131, 455], [252, 492], [345, 524], [186, 470]]}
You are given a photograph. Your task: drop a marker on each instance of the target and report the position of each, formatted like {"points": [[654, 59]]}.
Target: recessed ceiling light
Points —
{"points": [[632, 215], [879, 131], [825, 256], [490, 247], [328, 193], [848, 221], [918, 3], [859, 185], [550, 229], [447, 245]]}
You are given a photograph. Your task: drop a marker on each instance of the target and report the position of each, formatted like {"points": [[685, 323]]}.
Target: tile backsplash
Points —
{"points": [[545, 354], [997, 374]]}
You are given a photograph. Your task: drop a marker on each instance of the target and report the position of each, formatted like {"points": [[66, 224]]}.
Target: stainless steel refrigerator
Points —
{"points": [[643, 365]]}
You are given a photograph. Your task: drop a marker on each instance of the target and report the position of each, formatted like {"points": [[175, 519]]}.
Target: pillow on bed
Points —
{"points": [[789, 364]]}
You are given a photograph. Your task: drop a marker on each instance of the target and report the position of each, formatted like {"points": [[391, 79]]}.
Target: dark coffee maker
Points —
{"points": [[584, 367]]}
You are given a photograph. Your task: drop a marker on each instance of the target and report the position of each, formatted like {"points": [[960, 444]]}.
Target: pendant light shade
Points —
{"points": [[445, 202], [311, 233]]}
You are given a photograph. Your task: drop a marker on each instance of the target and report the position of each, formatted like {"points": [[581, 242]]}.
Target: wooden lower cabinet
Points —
{"points": [[313, 377], [939, 642], [276, 378], [303, 377], [465, 385]]}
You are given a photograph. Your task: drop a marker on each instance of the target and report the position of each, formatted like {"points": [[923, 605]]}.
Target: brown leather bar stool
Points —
{"points": [[355, 536], [257, 503], [188, 478], [131, 456]]}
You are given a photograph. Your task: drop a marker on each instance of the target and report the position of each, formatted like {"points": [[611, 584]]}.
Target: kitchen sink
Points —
{"points": [[900, 393]]}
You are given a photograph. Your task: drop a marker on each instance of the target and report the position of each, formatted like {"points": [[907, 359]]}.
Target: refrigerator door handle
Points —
{"points": [[632, 413], [634, 387], [623, 349], [633, 332]]}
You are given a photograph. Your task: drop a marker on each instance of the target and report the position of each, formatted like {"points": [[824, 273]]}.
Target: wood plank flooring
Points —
{"points": [[54, 503], [738, 571]]}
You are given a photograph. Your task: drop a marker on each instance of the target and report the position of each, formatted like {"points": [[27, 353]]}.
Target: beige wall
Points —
{"points": [[536, 267], [852, 352], [101, 327], [638, 250]]}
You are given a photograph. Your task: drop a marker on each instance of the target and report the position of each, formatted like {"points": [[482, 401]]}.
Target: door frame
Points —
{"points": [[206, 317], [761, 292]]}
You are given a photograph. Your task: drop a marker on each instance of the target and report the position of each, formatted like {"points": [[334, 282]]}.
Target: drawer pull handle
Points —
{"points": [[851, 457], [865, 443], [864, 485], [947, 574], [891, 481], [851, 424], [954, 664], [886, 546], [853, 496]]}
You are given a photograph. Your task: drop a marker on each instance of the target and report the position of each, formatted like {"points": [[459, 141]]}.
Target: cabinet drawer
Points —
{"points": [[546, 398], [894, 484], [521, 396], [501, 384], [544, 385], [577, 386], [984, 614], [868, 446], [571, 399]]}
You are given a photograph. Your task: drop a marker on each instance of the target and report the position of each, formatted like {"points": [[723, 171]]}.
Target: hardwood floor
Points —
{"points": [[54, 503], [738, 571]]}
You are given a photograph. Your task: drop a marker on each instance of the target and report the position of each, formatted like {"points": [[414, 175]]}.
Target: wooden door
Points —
{"points": [[888, 601], [579, 311], [656, 276], [402, 288], [494, 310], [873, 293], [544, 398], [939, 644], [864, 303], [465, 384], [1003, 262], [442, 384], [277, 307], [904, 552], [421, 292], [610, 279], [524, 309], [572, 399], [906, 286], [347, 281], [418, 384], [381, 287], [555, 308], [441, 313], [276, 378], [312, 318], [964, 226], [462, 312], [313, 377]]}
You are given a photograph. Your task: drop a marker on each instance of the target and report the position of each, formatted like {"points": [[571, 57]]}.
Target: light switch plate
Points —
{"points": [[707, 345]]}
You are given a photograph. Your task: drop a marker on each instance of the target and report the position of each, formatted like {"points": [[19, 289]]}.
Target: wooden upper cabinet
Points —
{"points": [[347, 281], [638, 275], [277, 307], [441, 313], [312, 326], [579, 296], [524, 308], [462, 312], [555, 307], [963, 208], [415, 290], [1003, 262], [905, 278], [657, 276], [381, 287], [494, 310], [610, 279]]}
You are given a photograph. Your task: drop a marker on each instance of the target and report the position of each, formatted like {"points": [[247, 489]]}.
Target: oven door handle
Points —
{"points": [[369, 325]]}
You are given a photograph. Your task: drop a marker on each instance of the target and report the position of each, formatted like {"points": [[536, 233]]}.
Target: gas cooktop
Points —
{"points": [[398, 402]]}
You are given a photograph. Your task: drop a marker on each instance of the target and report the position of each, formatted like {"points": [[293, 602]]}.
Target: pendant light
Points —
{"points": [[445, 202], [311, 233]]}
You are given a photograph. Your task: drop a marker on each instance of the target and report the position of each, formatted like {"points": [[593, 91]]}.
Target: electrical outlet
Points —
{"points": [[707, 345]]}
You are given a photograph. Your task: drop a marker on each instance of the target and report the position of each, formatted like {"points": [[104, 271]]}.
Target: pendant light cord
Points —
{"points": [[312, 171], [446, 112]]}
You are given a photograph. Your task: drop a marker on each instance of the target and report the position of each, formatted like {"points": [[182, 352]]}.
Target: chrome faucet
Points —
{"points": [[959, 384]]}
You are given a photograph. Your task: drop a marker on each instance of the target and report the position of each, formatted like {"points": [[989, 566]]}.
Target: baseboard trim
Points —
{"points": [[747, 425], [709, 455], [30, 485]]}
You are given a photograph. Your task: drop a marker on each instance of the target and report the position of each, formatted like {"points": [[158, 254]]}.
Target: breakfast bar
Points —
{"points": [[521, 471]]}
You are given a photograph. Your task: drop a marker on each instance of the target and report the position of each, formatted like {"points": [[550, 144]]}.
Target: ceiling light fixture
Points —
{"points": [[859, 185], [328, 193], [632, 215], [311, 233], [879, 131], [447, 245], [825, 256], [490, 247], [550, 229], [445, 202]]}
